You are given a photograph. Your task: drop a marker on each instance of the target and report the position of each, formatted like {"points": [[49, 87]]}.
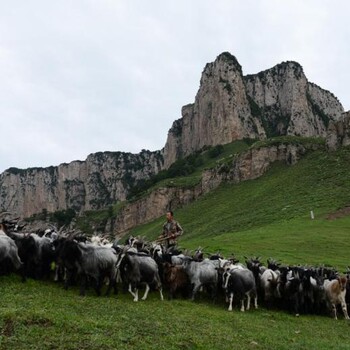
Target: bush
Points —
{"points": [[215, 151]]}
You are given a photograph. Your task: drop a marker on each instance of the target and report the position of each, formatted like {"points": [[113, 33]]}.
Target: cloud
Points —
{"points": [[86, 76]]}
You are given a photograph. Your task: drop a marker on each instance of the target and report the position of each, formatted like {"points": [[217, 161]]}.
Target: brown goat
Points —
{"points": [[335, 294], [175, 279]]}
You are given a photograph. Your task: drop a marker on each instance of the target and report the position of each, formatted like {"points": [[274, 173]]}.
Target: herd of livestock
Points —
{"points": [[73, 258]]}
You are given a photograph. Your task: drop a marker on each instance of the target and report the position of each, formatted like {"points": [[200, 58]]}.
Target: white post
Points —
{"points": [[312, 215]]}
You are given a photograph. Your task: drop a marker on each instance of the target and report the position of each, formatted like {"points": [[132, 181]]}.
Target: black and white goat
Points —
{"points": [[240, 282], [138, 269]]}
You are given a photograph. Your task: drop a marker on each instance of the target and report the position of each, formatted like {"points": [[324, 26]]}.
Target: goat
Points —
{"points": [[335, 294], [241, 282], [137, 269], [201, 274], [290, 288], [37, 254], [176, 279], [254, 264], [91, 261], [9, 257], [269, 282]]}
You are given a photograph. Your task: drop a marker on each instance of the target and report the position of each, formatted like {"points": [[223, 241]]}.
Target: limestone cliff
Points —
{"points": [[230, 106], [339, 133], [102, 179], [287, 104], [220, 114]]}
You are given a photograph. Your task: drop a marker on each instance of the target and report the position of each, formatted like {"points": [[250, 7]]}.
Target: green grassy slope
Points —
{"points": [[270, 216], [41, 315]]}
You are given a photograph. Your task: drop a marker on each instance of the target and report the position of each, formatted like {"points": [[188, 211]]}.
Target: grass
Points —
{"points": [[267, 217], [41, 315], [270, 216]]}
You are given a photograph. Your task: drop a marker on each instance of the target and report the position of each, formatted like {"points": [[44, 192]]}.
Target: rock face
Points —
{"points": [[339, 133], [249, 165], [228, 106], [101, 180], [288, 104], [220, 114]]}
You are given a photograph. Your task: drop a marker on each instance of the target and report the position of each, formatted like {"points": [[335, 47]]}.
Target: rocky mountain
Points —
{"points": [[339, 133], [101, 180], [228, 106]]}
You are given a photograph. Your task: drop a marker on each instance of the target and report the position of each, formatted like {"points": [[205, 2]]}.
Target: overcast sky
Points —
{"points": [[82, 76]]}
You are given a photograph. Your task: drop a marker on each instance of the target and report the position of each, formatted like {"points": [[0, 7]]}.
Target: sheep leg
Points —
{"points": [[248, 301], [56, 278], [98, 285], [112, 284]]}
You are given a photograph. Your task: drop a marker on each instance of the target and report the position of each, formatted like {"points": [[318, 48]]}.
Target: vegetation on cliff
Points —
{"points": [[271, 215]]}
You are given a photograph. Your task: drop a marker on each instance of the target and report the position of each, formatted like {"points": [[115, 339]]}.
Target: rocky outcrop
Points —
{"points": [[339, 133], [230, 106], [288, 104], [220, 114], [102, 179], [246, 166], [153, 206]]}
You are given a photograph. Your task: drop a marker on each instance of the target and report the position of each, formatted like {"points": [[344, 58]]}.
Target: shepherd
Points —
{"points": [[171, 231]]}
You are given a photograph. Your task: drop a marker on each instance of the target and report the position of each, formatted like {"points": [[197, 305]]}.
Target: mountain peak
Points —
{"points": [[229, 58]]}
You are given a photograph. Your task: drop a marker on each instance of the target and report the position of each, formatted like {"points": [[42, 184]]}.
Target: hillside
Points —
{"points": [[270, 216]]}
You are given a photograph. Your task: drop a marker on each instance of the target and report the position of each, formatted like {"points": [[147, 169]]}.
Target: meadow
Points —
{"points": [[266, 217]]}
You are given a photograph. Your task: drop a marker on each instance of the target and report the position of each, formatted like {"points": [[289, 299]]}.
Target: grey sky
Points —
{"points": [[83, 76]]}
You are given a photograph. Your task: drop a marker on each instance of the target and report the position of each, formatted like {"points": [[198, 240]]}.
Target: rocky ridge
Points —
{"points": [[101, 180], [228, 106]]}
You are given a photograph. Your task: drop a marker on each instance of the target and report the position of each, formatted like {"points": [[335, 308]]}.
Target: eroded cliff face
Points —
{"points": [[101, 180], [288, 104], [220, 114], [339, 133], [230, 106]]}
